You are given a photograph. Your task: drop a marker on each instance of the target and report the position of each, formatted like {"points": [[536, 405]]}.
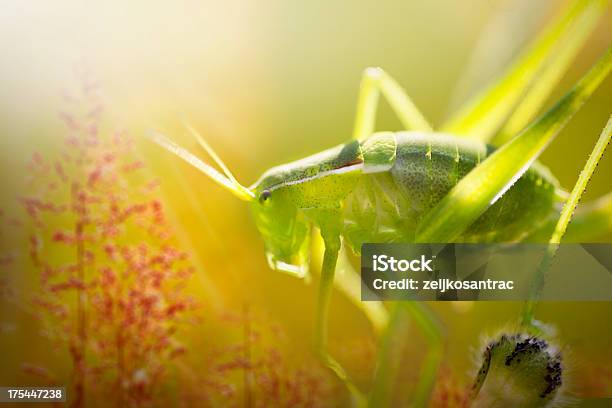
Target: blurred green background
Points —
{"points": [[267, 82]]}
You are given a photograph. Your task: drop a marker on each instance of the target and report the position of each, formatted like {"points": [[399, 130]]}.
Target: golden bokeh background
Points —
{"points": [[268, 82]]}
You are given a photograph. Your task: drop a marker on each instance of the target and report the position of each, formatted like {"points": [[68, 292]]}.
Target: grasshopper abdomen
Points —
{"points": [[388, 205]]}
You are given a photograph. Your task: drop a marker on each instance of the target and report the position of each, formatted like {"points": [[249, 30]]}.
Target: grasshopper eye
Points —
{"points": [[264, 196]]}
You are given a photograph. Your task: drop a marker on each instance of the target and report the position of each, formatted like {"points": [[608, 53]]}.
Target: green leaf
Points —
{"points": [[485, 114], [487, 182]]}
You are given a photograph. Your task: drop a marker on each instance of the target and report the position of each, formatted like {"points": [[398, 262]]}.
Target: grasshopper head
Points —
{"points": [[283, 228]]}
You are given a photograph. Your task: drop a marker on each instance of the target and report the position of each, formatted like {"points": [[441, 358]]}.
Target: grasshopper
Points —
{"points": [[474, 179]]}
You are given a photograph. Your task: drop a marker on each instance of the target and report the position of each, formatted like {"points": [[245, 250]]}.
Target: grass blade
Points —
{"points": [[487, 182], [486, 113], [583, 180], [565, 218], [550, 74]]}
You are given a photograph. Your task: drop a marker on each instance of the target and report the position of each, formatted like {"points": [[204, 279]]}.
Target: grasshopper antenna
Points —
{"points": [[210, 151], [227, 181]]}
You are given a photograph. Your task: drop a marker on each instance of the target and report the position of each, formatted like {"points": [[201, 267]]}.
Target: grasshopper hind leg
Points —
{"points": [[374, 82], [396, 334]]}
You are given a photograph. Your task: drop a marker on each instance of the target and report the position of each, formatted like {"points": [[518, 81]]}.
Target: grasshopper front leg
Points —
{"points": [[326, 284]]}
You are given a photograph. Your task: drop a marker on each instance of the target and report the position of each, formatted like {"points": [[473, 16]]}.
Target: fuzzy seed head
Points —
{"points": [[518, 370]]}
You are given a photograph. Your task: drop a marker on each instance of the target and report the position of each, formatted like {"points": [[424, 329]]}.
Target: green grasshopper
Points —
{"points": [[465, 182]]}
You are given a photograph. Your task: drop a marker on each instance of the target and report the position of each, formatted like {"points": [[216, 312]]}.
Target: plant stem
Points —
{"points": [[248, 392], [80, 374]]}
